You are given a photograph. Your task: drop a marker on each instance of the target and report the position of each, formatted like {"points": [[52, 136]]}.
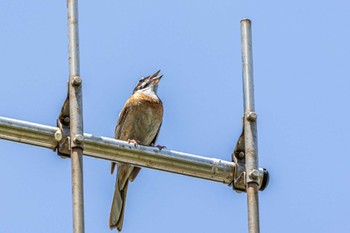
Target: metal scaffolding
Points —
{"points": [[68, 139]]}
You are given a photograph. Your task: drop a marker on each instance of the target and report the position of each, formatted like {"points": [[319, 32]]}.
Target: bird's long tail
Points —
{"points": [[116, 217]]}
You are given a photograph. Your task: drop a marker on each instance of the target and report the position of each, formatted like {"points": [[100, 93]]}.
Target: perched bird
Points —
{"points": [[139, 122]]}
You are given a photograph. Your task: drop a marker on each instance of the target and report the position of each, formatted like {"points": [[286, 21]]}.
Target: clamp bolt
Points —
{"points": [[241, 155], [66, 120], [76, 81], [58, 135], [78, 139], [254, 175], [252, 116]]}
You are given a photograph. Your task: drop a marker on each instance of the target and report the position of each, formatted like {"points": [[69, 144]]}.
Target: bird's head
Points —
{"points": [[148, 84]]}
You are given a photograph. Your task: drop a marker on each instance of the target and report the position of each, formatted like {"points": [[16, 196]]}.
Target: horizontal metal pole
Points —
{"points": [[27, 132], [121, 151]]}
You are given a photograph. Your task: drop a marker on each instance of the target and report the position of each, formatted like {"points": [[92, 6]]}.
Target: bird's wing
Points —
{"points": [[121, 119], [155, 137], [117, 132]]}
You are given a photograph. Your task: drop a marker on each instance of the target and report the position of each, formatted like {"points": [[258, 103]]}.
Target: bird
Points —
{"points": [[139, 122]]}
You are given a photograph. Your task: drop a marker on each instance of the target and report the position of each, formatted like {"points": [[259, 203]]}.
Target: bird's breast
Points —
{"points": [[143, 119]]}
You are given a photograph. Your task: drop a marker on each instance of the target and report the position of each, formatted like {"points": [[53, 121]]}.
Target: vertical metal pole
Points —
{"points": [[76, 118], [250, 129]]}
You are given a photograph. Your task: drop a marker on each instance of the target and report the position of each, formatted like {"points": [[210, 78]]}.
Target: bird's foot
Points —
{"points": [[160, 147], [136, 142]]}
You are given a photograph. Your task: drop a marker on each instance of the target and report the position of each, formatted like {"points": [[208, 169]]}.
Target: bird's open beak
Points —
{"points": [[156, 79]]}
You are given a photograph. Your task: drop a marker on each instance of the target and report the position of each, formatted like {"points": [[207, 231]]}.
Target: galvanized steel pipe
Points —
{"points": [[250, 129], [76, 117], [165, 160], [121, 151], [28, 133]]}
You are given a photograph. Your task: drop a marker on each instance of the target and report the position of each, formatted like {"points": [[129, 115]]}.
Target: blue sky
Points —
{"points": [[301, 69]]}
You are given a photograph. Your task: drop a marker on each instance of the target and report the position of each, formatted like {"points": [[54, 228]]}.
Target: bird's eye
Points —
{"points": [[144, 85]]}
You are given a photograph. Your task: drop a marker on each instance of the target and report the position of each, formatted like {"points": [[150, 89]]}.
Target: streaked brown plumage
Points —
{"points": [[139, 120]]}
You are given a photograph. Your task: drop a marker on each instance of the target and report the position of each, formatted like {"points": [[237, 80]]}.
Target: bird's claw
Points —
{"points": [[160, 147], [136, 142]]}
